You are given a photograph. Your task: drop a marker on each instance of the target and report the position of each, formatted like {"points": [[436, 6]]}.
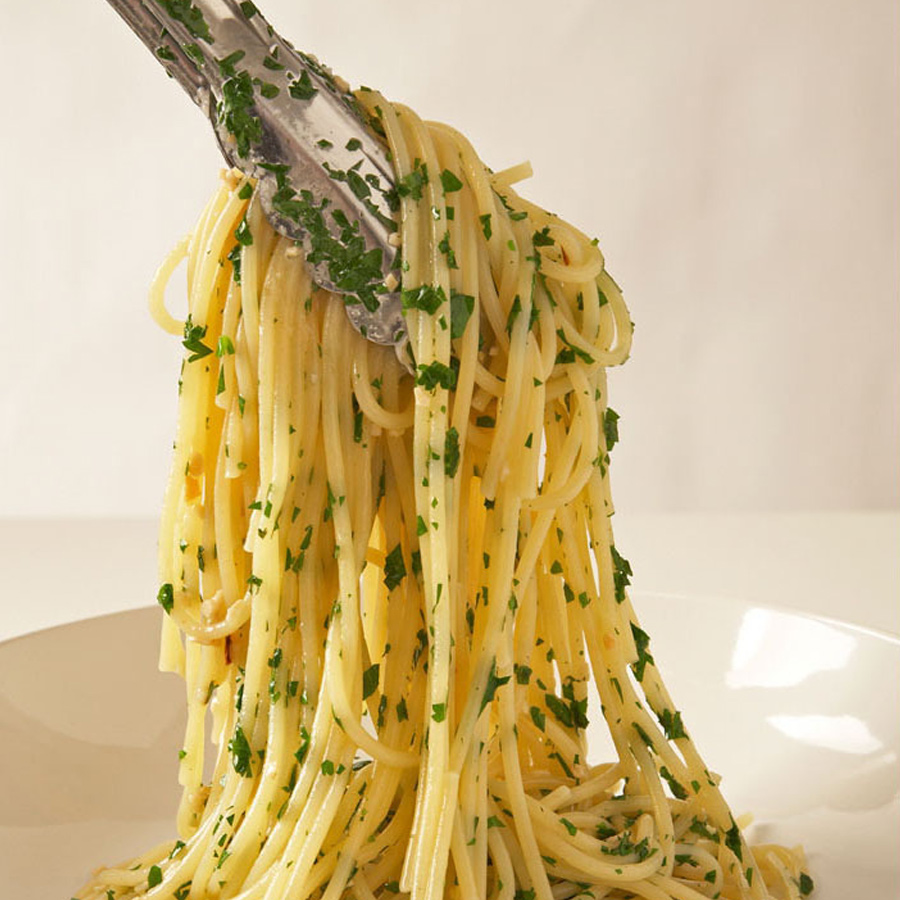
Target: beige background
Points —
{"points": [[738, 160]]}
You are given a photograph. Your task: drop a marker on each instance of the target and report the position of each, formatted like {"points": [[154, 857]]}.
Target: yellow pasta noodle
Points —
{"points": [[388, 591]]}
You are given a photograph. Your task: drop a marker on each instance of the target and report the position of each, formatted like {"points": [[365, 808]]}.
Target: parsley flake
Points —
{"points": [[450, 182], [394, 568]]}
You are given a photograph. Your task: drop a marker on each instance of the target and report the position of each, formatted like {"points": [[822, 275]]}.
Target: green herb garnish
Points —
{"points": [[234, 112], [450, 182], [451, 452], [227, 63], [303, 88], [425, 297], [411, 185], [641, 643], [166, 597], [190, 16], [394, 568], [370, 680], [436, 374], [611, 427], [493, 683], [447, 250], [461, 306], [621, 573], [239, 747]]}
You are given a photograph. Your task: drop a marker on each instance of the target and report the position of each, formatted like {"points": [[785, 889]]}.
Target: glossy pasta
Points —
{"points": [[389, 593]]}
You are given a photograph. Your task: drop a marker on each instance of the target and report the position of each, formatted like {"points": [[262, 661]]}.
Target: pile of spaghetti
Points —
{"points": [[388, 591]]}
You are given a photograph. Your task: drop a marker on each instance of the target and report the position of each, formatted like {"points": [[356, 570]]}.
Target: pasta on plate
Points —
{"points": [[389, 586]]}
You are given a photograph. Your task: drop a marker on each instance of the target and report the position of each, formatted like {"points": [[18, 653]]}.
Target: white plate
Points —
{"points": [[799, 714]]}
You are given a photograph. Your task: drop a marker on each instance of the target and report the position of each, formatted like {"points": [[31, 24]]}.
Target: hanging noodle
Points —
{"points": [[389, 594]]}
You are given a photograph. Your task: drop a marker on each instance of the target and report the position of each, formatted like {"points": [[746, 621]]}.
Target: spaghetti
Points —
{"points": [[388, 593]]}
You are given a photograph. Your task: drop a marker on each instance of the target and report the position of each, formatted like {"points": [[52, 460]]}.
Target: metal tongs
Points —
{"points": [[324, 175]]}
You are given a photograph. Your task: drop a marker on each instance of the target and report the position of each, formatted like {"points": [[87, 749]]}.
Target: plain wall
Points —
{"points": [[739, 161]]}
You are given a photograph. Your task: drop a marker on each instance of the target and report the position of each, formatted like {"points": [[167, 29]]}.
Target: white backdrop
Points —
{"points": [[738, 160]]}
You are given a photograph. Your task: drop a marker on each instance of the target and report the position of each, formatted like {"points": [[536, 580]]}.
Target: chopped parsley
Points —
{"points": [[678, 791], [425, 297], [450, 182], [194, 54], [411, 185], [621, 573], [234, 112], [605, 830], [672, 724], [451, 452], [570, 351], [370, 680], [461, 306], [492, 684], [234, 257], [242, 233], [447, 250], [698, 827], [542, 238], [303, 88], [436, 374], [166, 597], [514, 311], [611, 427], [733, 841], [193, 340], [357, 422], [626, 847], [560, 709], [641, 643], [351, 268], [154, 876], [394, 568], [227, 63], [239, 748], [191, 17], [300, 755]]}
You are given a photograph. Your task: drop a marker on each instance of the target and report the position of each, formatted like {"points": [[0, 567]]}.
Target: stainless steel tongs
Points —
{"points": [[281, 117]]}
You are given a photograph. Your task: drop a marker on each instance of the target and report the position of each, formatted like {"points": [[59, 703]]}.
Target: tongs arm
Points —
{"points": [[324, 175], [157, 38]]}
